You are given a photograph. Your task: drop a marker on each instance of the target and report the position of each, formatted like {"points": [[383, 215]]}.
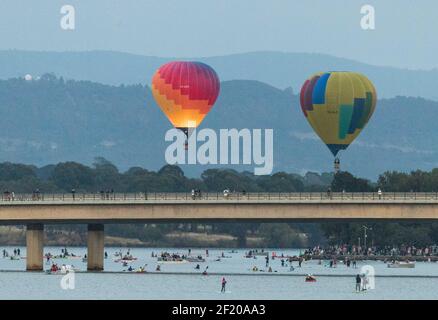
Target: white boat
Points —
{"points": [[195, 259], [253, 253], [64, 269], [172, 261], [401, 264]]}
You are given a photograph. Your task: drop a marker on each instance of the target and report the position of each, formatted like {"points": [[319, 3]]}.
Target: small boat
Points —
{"points": [[286, 257], [141, 270], [257, 253], [310, 278], [173, 261], [175, 258], [195, 259], [68, 268], [128, 257], [125, 260], [401, 264], [64, 269], [74, 257], [65, 257]]}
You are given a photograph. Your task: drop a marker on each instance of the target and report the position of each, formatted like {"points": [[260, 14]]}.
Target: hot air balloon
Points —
{"points": [[185, 91], [338, 105]]}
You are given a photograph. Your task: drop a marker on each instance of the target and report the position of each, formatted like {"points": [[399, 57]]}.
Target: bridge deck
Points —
{"points": [[94, 208], [77, 198]]}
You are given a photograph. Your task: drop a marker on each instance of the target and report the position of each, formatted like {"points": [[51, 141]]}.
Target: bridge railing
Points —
{"points": [[244, 196]]}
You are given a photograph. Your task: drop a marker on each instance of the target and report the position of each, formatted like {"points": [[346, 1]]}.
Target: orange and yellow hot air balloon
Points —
{"points": [[185, 91]]}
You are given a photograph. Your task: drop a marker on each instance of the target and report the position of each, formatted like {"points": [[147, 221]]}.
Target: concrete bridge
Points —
{"points": [[98, 209]]}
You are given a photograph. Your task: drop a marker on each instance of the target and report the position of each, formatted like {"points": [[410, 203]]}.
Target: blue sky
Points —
{"points": [[405, 34]]}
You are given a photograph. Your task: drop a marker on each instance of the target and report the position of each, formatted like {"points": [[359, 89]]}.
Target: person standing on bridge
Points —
{"points": [[73, 193], [379, 193], [329, 193]]}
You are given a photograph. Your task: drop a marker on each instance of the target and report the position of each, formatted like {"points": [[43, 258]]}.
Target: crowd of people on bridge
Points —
{"points": [[8, 195], [108, 194]]}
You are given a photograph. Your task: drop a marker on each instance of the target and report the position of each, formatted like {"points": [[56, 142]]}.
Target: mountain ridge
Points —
{"points": [[53, 120], [280, 69]]}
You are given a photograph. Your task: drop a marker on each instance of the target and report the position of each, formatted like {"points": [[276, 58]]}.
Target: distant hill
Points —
{"points": [[281, 70], [52, 120]]}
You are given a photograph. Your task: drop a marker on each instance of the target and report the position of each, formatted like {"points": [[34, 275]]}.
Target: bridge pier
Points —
{"points": [[34, 247], [95, 254]]}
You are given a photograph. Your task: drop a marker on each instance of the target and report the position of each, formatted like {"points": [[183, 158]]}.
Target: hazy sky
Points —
{"points": [[405, 34]]}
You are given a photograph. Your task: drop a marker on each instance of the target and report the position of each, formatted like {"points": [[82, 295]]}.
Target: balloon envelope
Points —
{"points": [[338, 105], [185, 92]]}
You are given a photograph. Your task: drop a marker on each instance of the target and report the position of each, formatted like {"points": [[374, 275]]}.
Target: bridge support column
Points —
{"points": [[95, 247], [34, 247]]}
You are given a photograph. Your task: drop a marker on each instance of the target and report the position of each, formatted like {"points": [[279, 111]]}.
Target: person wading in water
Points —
{"points": [[224, 282], [358, 282]]}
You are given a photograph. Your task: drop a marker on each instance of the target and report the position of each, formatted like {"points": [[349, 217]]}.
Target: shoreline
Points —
{"points": [[382, 258]]}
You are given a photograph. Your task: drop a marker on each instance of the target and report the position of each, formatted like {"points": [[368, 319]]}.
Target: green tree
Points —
{"points": [[346, 181], [68, 175]]}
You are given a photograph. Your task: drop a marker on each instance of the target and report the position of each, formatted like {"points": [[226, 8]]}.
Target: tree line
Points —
{"points": [[104, 175]]}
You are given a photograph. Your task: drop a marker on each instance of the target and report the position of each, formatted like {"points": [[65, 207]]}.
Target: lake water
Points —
{"points": [[182, 281]]}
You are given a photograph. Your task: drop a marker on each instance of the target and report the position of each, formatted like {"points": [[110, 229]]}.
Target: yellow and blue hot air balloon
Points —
{"points": [[338, 105]]}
